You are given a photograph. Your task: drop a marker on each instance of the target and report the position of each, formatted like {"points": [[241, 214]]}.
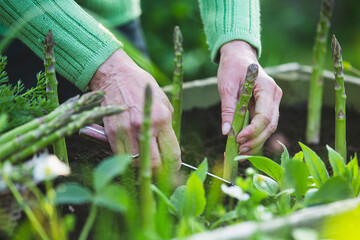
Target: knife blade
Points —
{"points": [[97, 133]]}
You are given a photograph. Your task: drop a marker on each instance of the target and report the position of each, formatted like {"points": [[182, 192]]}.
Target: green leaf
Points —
{"points": [[315, 165], [72, 193], [337, 163], [298, 156], [202, 170], [229, 216], [162, 196], [335, 189], [266, 165], [113, 197], [195, 200], [296, 176], [285, 157], [177, 199], [354, 174], [266, 184], [109, 169], [189, 200]]}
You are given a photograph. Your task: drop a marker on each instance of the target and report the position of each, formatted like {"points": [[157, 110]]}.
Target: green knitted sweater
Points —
{"points": [[82, 44]]}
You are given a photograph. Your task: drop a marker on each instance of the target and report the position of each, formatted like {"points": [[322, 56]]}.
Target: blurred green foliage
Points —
{"points": [[288, 32]]}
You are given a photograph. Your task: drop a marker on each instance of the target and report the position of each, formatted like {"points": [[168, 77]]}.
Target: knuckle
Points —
{"points": [[163, 118], [272, 128]]}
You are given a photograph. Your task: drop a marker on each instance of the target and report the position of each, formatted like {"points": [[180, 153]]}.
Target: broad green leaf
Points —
{"points": [[285, 157], [354, 174], [353, 168], [177, 199], [195, 200], [113, 197], [298, 156], [315, 165], [109, 169], [335, 189], [296, 176], [337, 162], [266, 165], [266, 184], [162, 196], [72, 193], [202, 170]]}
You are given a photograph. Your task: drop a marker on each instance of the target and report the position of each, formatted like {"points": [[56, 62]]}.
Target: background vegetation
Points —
{"points": [[288, 32]]}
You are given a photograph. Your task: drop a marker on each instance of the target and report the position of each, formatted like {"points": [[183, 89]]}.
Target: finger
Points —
{"points": [[254, 145], [263, 115], [169, 148], [228, 91], [155, 155]]}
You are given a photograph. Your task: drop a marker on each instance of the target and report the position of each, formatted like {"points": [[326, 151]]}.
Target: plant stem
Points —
{"points": [[232, 147], [59, 145], [89, 223], [340, 99], [146, 200], [76, 122], [177, 82], [316, 84], [31, 216]]}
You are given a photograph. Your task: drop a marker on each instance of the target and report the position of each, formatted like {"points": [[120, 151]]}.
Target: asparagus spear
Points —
{"points": [[74, 105], [340, 99], [147, 201], [232, 147], [316, 84], [177, 82], [76, 122], [59, 146]]}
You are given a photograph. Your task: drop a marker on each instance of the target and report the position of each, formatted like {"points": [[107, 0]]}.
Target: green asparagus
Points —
{"points": [[232, 147], [316, 84], [340, 99]]}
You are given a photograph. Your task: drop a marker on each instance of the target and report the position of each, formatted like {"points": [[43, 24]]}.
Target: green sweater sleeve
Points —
{"points": [[81, 43], [227, 20]]}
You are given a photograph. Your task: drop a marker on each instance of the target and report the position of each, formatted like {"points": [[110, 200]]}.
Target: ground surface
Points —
{"points": [[201, 137]]}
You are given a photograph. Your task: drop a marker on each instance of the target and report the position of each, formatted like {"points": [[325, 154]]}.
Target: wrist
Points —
{"points": [[238, 47], [119, 63]]}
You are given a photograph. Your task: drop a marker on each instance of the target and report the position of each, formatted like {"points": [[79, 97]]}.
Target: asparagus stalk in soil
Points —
{"points": [[177, 82], [316, 84], [51, 90], [232, 147], [147, 201], [340, 99]]}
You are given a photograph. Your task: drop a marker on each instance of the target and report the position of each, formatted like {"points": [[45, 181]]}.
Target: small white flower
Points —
{"points": [[262, 213], [47, 167], [235, 192]]}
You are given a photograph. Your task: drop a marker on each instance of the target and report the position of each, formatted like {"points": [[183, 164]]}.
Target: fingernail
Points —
{"points": [[244, 150], [226, 128], [242, 140]]}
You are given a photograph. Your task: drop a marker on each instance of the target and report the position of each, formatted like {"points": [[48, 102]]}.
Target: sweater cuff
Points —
{"points": [[236, 35], [81, 43]]}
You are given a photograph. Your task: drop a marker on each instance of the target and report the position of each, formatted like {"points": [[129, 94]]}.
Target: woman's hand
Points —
{"points": [[235, 57], [124, 84]]}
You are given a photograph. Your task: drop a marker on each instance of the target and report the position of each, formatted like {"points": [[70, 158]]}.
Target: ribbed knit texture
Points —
{"points": [[81, 43], [227, 20], [115, 12]]}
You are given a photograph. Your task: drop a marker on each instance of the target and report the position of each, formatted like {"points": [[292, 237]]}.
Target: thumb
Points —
{"points": [[228, 105]]}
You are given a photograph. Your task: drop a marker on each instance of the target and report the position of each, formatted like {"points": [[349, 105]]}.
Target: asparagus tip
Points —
{"points": [[252, 72], [336, 48]]}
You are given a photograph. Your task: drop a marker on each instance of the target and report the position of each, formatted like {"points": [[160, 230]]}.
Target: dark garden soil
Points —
{"points": [[201, 137]]}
